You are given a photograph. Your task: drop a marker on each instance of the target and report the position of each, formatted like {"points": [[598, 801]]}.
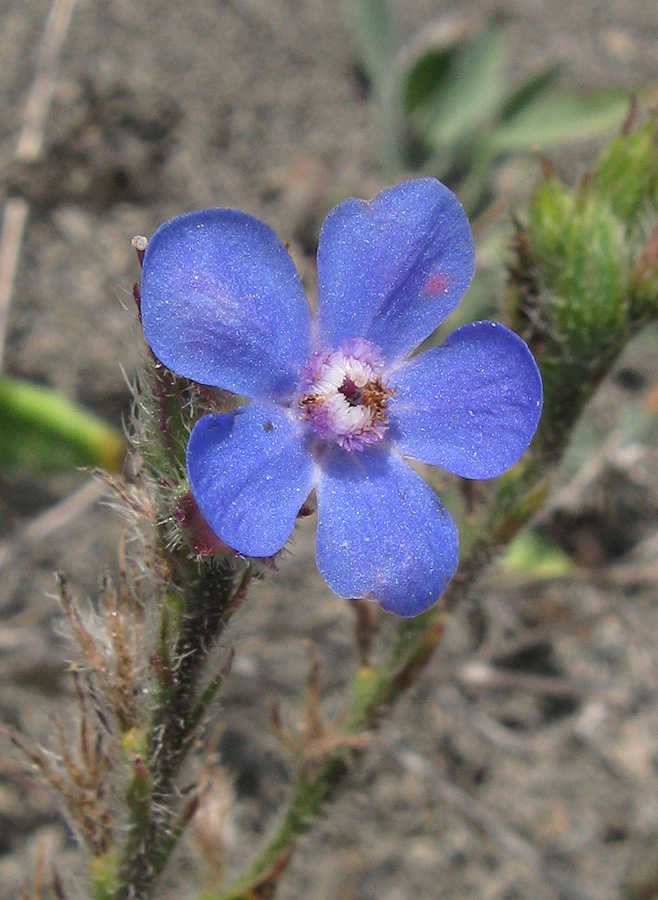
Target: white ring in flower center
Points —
{"points": [[343, 396]]}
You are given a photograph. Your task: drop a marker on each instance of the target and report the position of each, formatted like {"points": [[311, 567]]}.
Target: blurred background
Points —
{"points": [[525, 763]]}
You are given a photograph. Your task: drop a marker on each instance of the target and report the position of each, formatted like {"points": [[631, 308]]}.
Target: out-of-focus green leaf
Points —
{"points": [[533, 554], [427, 77], [472, 90], [528, 91], [561, 117], [372, 21], [41, 430]]}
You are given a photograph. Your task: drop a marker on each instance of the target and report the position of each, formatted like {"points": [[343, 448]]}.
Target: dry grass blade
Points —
{"points": [[124, 663], [37, 758], [11, 238], [87, 644], [28, 149], [43, 887], [111, 667], [50, 521], [38, 101], [84, 791]]}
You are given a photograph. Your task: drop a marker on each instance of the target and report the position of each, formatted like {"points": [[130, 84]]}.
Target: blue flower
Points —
{"points": [[336, 401]]}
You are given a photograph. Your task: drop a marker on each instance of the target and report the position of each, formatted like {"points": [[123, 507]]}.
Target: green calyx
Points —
{"points": [[585, 273]]}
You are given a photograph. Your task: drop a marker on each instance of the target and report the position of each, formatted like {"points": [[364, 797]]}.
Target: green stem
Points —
{"points": [[155, 823], [310, 795], [376, 690], [515, 499]]}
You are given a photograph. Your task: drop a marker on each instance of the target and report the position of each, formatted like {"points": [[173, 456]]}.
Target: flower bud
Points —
{"points": [[585, 274]]}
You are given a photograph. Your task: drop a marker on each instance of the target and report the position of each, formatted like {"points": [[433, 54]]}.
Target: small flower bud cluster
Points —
{"points": [[584, 277]]}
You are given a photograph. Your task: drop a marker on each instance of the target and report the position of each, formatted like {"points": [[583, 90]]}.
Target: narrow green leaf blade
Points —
{"points": [[528, 91], [425, 79], [472, 92], [561, 117], [41, 430], [372, 22]]}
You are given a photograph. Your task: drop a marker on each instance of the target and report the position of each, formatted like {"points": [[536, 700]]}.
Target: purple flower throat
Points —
{"points": [[343, 396]]}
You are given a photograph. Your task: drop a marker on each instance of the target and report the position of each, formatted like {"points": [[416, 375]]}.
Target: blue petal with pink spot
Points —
{"points": [[337, 404]]}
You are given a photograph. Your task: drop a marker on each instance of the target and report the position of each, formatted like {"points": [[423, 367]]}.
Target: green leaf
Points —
{"points": [[42, 430], [426, 77], [534, 554], [561, 117], [374, 36], [472, 91], [528, 91]]}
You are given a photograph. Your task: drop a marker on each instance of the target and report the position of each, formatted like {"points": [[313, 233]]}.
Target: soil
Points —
{"points": [[525, 761]]}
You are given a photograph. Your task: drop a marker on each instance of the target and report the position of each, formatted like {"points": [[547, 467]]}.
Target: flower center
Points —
{"points": [[344, 397]]}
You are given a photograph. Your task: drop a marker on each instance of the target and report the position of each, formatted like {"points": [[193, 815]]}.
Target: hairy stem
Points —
{"points": [[156, 821]]}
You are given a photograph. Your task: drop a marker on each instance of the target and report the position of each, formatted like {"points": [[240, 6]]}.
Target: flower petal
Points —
{"points": [[222, 303], [383, 534], [470, 405], [250, 473], [391, 270]]}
